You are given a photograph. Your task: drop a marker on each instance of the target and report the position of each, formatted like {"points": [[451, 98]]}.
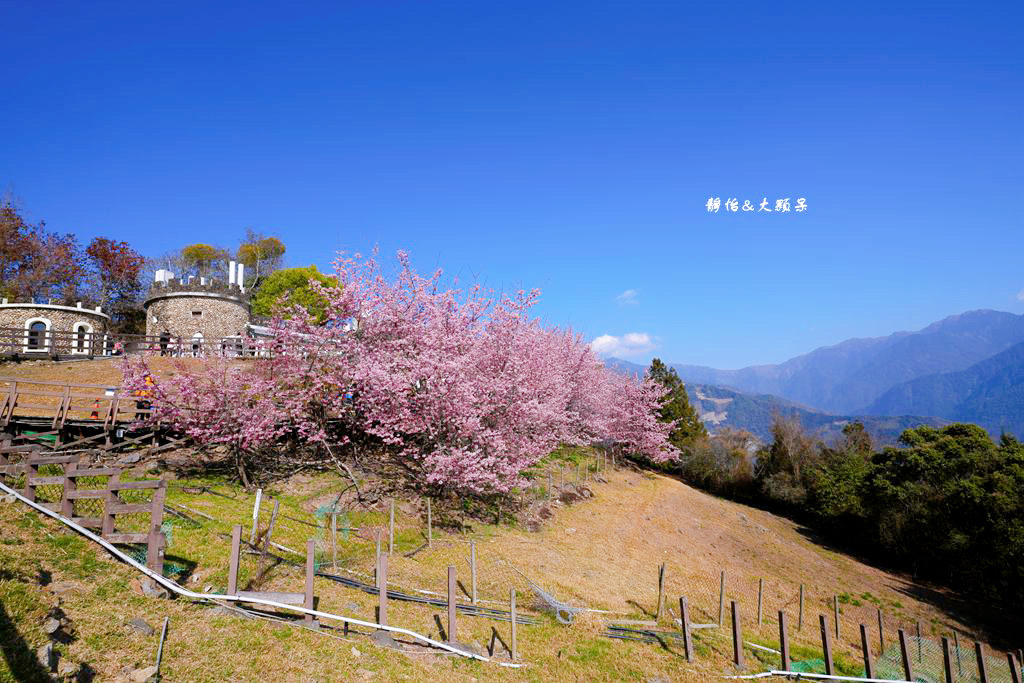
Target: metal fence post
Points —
{"points": [[391, 528], [512, 611], [472, 567], [382, 589]]}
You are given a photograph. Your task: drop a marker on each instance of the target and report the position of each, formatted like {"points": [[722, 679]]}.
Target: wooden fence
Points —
{"points": [[100, 505]]}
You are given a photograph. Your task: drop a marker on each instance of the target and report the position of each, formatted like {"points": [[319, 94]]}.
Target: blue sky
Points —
{"points": [[566, 146]]}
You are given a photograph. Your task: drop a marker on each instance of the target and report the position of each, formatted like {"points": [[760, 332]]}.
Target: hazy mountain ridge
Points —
{"points": [[720, 406], [848, 376], [724, 407], [989, 393]]}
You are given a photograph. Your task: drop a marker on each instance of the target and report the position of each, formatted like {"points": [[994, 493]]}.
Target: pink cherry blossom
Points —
{"points": [[464, 390]]}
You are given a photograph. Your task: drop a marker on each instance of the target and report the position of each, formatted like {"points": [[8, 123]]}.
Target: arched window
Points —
{"points": [[82, 342], [37, 334]]}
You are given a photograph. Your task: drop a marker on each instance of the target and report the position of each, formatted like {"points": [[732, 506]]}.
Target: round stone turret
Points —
{"points": [[196, 308]]}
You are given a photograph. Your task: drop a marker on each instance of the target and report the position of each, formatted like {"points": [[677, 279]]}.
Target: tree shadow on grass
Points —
{"points": [[992, 623], [21, 659]]}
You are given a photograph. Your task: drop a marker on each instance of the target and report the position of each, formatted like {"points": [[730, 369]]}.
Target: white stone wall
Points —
{"points": [[59, 319]]}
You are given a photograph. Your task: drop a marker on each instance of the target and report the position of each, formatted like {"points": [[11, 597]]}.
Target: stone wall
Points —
{"points": [[61, 338], [183, 314]]}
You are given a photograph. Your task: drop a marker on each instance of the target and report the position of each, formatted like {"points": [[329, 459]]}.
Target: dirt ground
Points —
{"points": [[106, 371]]}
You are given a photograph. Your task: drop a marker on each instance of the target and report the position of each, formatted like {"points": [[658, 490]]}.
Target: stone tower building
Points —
{"points": [[197, 308]]}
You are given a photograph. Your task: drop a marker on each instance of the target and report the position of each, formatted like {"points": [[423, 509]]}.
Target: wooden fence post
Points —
{"points": [[308, 601], [947, 661], [430, 525], [919, 642], [721, 601], [661, 592], [30, 489], [979, 654], [684, 622], [451, 604], [512, 612], [908, 670], [956, 649], [737, 636], [826, 643], [391, 528], [760, 598], [382, 589], [156, 539], [881, 634], [800, 614], [835, 607], [472, 568], [67, 504], [108, 505], [869, 669], [236, 541], [1014, 667], [549, 485], [783, 641]]}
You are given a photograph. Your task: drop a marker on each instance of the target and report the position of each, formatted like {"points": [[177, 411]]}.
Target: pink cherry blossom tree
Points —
{"points": [[461, 390]]}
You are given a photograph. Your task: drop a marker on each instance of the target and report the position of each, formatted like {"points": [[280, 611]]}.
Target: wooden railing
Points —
{"points": [[18, 341], [60, 402]]}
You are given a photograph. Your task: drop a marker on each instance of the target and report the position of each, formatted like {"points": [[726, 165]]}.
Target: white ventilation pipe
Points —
{"points": [[184, 592]]}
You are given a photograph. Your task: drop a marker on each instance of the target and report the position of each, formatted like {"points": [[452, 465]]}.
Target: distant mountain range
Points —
{"points": [[720, 406], [989, 393], [849, 376], [967, 367]]}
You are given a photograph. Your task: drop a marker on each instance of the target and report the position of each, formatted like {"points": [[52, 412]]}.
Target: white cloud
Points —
{"points": [[1020, 295], [630, 344], [628, 297]]}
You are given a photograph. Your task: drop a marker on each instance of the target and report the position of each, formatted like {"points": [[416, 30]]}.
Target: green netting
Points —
{"points": [[323, 533], [139, 553], [808, 666], [44, 437]]}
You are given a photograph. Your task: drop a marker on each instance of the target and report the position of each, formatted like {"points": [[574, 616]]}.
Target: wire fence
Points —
{"points": [[418, 562]]}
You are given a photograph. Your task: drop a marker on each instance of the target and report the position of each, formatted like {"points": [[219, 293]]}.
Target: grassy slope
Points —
{"points": [[602, 553]]}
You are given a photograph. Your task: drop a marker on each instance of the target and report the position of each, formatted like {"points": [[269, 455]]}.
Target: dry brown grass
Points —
{"points": [[601, 553]]}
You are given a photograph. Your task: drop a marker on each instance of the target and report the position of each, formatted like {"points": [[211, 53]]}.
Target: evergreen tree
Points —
{"points": [[675, 406]]}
